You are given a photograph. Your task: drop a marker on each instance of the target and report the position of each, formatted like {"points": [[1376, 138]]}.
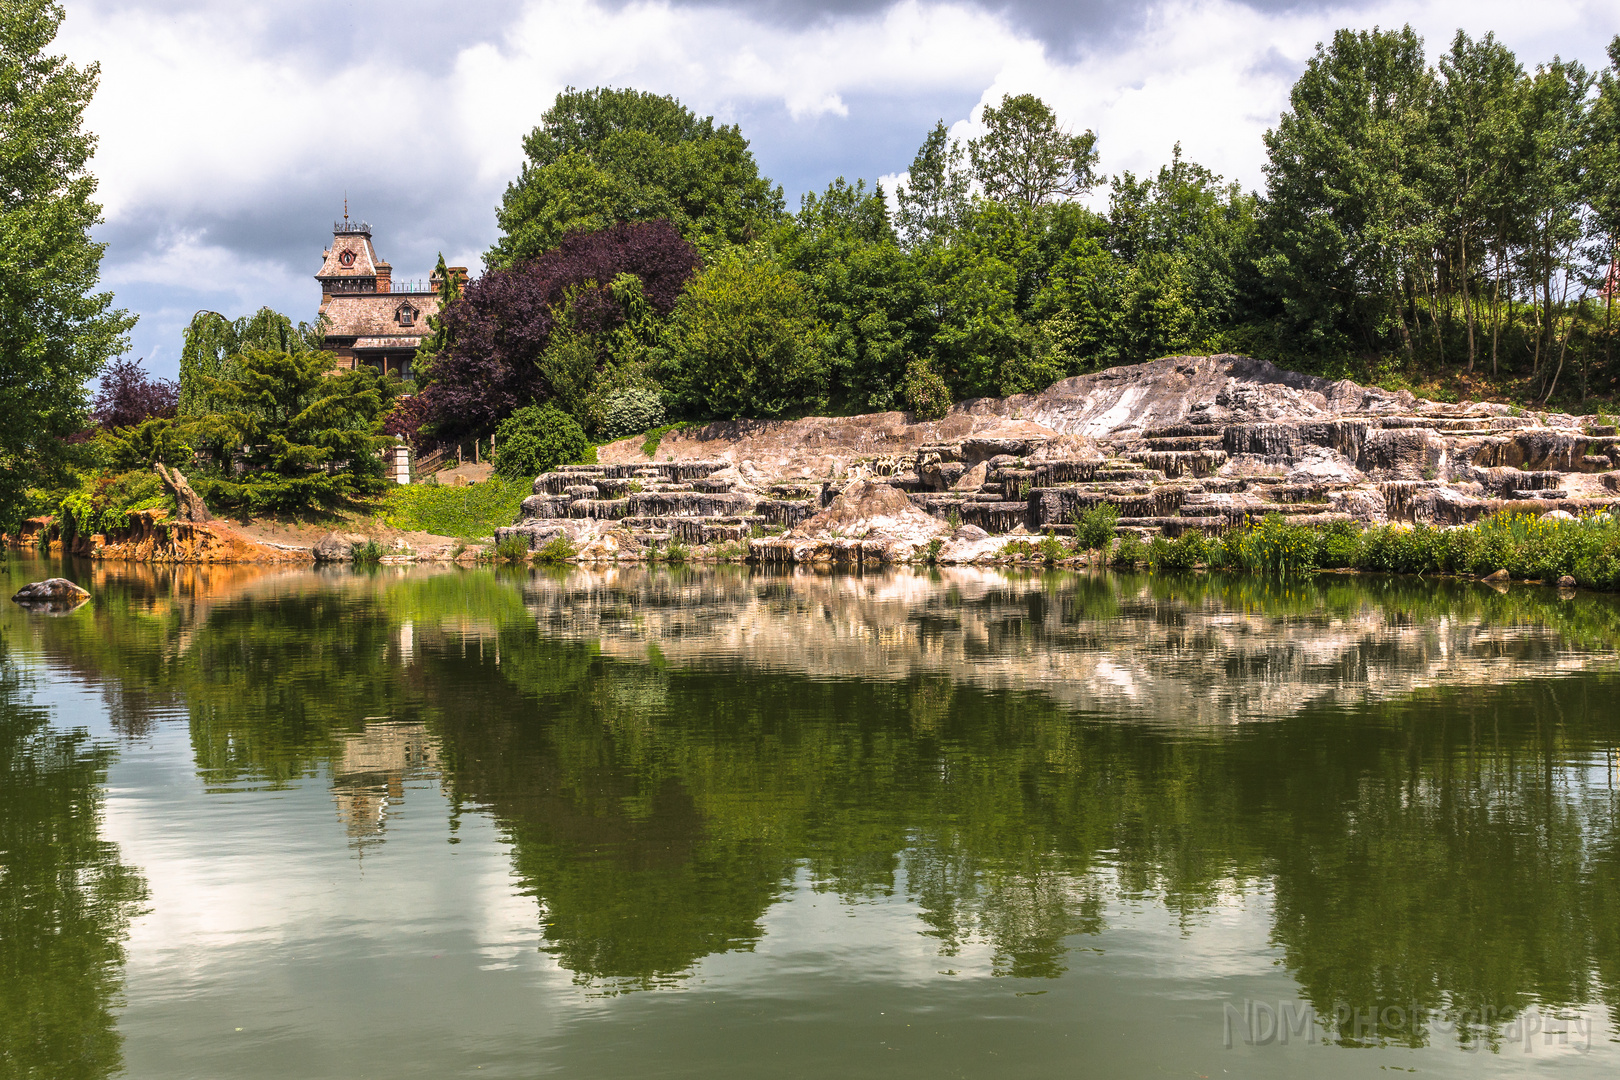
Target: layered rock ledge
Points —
{"points": [[1184, 443]]}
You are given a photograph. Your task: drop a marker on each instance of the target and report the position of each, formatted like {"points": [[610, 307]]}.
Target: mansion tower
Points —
{"points": [[371, 318]]}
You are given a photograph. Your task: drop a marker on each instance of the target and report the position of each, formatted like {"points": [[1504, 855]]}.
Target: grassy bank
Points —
{"points": [[1525, 546], [471, 512]]}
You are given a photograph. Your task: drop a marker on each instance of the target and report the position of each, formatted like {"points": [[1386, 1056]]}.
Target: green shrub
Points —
{"points": [[369, 553], [649, 445], [1130, 551], [1051, 549], [924, 391], [106, 502], [1338, 545], [931, 552], [1094, 527], [1271, 547], [469, 512], [675, 552], [631, 412], [1525, 545], [1183, 553], [556, 550], [536, 439], [512, 548]]}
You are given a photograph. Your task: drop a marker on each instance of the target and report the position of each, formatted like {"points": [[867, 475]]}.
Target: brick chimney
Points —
{"points": [[385, 276]]}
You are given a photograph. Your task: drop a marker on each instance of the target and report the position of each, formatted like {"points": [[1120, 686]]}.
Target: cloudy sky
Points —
{"points": [[231, 131]]}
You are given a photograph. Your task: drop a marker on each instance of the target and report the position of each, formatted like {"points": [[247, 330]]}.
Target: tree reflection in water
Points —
{"points": [[65, 898], [669, 754]]}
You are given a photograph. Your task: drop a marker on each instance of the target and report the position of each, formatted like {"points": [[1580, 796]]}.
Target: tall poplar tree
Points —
{"points": [[56, 330], [1345, 209]]}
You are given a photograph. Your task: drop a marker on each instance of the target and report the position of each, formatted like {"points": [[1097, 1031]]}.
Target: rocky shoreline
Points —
{"points": [[1203, 444]]}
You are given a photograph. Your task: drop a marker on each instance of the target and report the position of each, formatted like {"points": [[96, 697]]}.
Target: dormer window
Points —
{"points": [[346, 259], [406, 315]]}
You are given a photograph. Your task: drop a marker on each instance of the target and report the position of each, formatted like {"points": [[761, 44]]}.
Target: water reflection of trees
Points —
{"points": [[1447, 847], [1449, 852], [65, 898]]}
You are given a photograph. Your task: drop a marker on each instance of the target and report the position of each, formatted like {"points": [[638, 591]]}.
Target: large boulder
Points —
{"points": [[52, 594], [336, 547]]}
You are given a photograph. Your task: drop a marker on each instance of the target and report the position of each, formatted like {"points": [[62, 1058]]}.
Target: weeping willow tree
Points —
{"points": [[213, 343]]}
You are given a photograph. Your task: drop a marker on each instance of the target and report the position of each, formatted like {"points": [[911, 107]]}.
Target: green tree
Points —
{"points": [[309, 437], [872, 297], [448, 288], [1602, 172], [213, 342], [1345, 209], [1553, 209], [56, 331], [1475, 119], [1026, 157], [602, 156], [931, 202], [744, 341], [536, 439]]}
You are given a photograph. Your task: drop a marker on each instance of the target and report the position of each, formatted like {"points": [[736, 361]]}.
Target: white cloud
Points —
{"points": [[226, 139]]}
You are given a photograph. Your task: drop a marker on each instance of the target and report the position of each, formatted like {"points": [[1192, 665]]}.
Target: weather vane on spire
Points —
{"points": [[345, 206]]}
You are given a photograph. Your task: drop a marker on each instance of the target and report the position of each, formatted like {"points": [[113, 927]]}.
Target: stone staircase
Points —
{"points": [[1438, 464]]}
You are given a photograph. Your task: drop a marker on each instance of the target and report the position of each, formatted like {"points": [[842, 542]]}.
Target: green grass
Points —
{"points": [[470, 512], [650, 441]]}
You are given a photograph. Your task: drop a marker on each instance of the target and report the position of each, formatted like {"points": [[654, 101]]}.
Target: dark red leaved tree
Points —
{"points": [[127, 395], [500, 325]]}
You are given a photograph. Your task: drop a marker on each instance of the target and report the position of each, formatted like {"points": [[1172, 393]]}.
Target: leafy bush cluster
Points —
{"points": [[1094, 526], [105, 501], [534, 440], [1526, 546]]}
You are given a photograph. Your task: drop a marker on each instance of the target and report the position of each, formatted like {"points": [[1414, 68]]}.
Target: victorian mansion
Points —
{"points": [[371, 318]]}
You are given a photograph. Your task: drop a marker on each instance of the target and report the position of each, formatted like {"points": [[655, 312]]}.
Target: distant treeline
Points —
{"points": [[1452, 224]]}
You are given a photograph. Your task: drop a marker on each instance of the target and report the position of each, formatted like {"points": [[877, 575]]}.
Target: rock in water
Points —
{"points": [[1566, 582], [52, 594], [1500, 575]]}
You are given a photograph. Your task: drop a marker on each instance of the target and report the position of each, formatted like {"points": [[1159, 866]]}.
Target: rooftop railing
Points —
{"points": [[351, 228]]}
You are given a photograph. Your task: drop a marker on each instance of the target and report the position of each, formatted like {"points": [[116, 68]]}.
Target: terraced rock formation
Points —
{"points": [[1205, 443]]}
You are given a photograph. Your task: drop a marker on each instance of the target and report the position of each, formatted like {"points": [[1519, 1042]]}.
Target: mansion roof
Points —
{"points": [[400, 317], [362, 305]]}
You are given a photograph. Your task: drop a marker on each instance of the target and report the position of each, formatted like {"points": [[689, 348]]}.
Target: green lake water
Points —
{"points": [[427, 822]]}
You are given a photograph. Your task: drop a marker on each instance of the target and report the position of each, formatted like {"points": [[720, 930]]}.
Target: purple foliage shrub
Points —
{"points": [[128, 395], [499, 327]]}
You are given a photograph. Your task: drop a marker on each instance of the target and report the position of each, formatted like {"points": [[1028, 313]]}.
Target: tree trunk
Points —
{"points": [[1468, 311], [191, 506], [1496, 313]]}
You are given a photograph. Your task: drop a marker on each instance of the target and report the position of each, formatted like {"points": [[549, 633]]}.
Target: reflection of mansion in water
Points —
{"points": [[371, 770]]}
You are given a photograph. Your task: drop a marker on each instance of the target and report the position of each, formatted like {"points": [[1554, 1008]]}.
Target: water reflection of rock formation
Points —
{"points": [[1199, 649], [371, 770]]}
